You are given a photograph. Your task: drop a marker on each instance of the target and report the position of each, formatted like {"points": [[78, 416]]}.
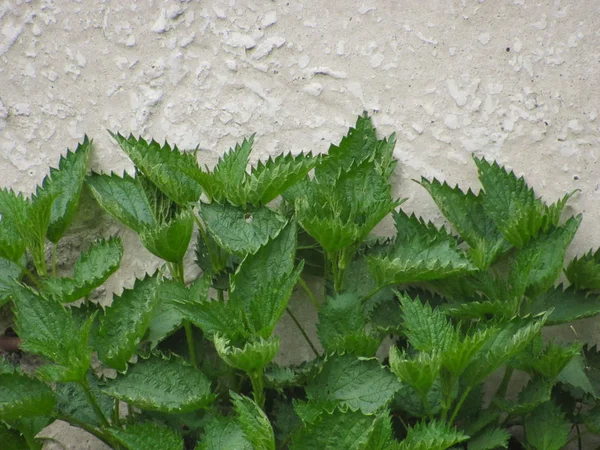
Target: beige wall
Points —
{"points": [[514, 80]]}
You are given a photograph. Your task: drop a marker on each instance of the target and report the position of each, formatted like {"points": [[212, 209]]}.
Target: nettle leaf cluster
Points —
{"points": [[193, 359]]}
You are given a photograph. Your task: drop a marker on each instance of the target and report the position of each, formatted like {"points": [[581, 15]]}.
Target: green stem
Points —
{"points": [[130, 414], [220, 295], [301, 328], [459, 404], [325, 273], [116, 419], [309, 292], [258, 389], [501, 392], [93, 431], [88, 393], [372, 293], [189, 336], [35, 280]]}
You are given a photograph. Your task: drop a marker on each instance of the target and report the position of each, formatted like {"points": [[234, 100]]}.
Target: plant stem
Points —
{"points": [[189, 336], [258, 390], [459, 404], [309, 292], [93, 431], [35, 280], [130, 414], [301, 328], [220, 295], [86, 389], [116, 414], [501, 392]]}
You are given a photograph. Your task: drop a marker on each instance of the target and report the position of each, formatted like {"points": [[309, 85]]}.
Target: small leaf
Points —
{"points": [[22, 396], [92, 269], [254, 356], [223, 433], [12, 244], [166, 317], [230, 172], [239, 231], [555, 358], [426, 330], [539, 263], [341, 327], [419, 372], [48, 329], [466, 213], [584, 272], [337, 430], [420, 252], [431, 436], [173, 171], [512, 204], [122, 198], [575, 374], [165, 385], [537, 391], [35, 228], [358, 383], [125, 322], [489, 439], [147, 436], [459, 353], [546, 428], [253, 421], [65, 183], [270, 179], [171, 240], [566, 305]]}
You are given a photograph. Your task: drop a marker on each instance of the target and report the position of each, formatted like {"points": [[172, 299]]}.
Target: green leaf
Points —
{"points": [[254, 356], [420, 252], [555, 358], [343, 212], [459, 353], [539, 263], [537, 391], [426, 330], [502, 346], [22, 396], [72, 402], [490, 438], [263, 283], [575, 374], [165, 385], [223, 433], [419, 372], [348, 430], [591, 420], [431, 436], [253, 421], [382, 435], [167, 317], [36, 226], [147, 436], [357, 383], [341, 327], [48, 329], [567, 305], [12, 244], [230, 172], [65, 183], [512, 204], [270, 179], [171, 240], [546, 428], [240, 231], [9, 272], [466, 213], [11, 439], [173, 171], [92, 269], [584, 272], [125, 322], [123, 198]]}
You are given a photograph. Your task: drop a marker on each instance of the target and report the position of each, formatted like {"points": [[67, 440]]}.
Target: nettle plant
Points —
{"points": [[194, 357]]}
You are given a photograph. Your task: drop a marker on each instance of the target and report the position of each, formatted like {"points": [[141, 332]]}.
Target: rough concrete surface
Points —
{"points": [[514, 80]]}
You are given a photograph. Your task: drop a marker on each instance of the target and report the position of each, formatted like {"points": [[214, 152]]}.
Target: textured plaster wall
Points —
{"points": [[514, 80]]}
